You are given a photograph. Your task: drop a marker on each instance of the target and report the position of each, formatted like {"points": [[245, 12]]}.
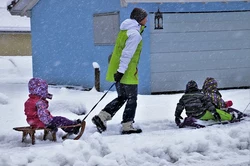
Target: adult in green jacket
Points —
{"points": [[123, 70]]}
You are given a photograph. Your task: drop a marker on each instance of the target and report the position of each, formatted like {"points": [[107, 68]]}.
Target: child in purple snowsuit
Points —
{"points": [[36, 109], [210, 88]]}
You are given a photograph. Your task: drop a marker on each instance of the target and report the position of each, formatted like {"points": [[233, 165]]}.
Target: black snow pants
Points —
{"points": [[126, 93]]}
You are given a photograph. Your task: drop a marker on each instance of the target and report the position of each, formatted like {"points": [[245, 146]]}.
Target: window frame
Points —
{"points": [[107, 33]]}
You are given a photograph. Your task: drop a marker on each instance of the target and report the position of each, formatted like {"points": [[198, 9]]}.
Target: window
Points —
{"points": [[106, 28]]}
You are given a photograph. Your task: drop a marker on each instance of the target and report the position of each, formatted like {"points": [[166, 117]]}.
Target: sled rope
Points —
{"points": [[98, 101], [246, 107]]}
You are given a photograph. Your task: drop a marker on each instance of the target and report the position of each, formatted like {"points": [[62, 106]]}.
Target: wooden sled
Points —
{"points": [[28, 130]]}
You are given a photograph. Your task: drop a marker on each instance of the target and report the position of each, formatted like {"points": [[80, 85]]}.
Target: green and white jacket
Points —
{"points": [[126, 53]]}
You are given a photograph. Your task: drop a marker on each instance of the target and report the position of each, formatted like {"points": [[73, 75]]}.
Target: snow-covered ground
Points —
{"points": [[160, 144]]}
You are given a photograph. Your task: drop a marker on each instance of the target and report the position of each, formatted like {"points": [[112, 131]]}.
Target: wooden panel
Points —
{"points": [[201, 36], [175, 81], [186, 22], [218, 56], [205, 26], [193, 46], [15, 44], [206, 17], [201, 65]]}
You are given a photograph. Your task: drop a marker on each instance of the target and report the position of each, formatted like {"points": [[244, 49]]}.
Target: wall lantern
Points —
{"points": [[158, 20]]}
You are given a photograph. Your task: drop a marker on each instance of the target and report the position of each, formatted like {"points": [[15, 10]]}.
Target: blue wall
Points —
{"points": [[63, 49]]}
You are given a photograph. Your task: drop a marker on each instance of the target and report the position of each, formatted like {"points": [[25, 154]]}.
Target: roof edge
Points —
{"points": [[21, 7], [124, 3]]}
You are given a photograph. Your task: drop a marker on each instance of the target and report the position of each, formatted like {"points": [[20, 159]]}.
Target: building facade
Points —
{"points": [[184, 40]]}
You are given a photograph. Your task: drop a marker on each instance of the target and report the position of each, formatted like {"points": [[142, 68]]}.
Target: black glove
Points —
{"points": [[216, 116], [178, 120], [118, 76]]}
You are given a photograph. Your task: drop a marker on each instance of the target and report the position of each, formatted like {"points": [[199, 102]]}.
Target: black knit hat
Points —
{"points": [[138, 14], [191, 86]]}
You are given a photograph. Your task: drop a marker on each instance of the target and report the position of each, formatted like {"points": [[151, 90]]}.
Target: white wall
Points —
{"points": [[12, 23]]}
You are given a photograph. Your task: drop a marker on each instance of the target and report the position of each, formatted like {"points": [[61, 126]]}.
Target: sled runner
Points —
{"points": [[227, 122], [201, 123], [83, 124], [27, 130]]}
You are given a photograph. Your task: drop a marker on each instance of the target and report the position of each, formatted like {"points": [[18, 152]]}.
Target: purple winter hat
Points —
{"points": [[38, 86]]}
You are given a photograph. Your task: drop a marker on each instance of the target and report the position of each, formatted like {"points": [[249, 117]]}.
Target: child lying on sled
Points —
{"points": [[36, 109], [210, 88], [197, 106]]}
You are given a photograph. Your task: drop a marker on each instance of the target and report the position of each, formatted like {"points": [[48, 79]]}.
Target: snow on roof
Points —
{"points": [[13, 23]]}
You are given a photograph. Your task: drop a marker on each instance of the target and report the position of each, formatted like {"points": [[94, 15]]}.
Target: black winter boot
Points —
{"points": [[76, 129], [100, 121]]}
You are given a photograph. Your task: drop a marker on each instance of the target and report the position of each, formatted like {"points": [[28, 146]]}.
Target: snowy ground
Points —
{"points": [[160, 144]]}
